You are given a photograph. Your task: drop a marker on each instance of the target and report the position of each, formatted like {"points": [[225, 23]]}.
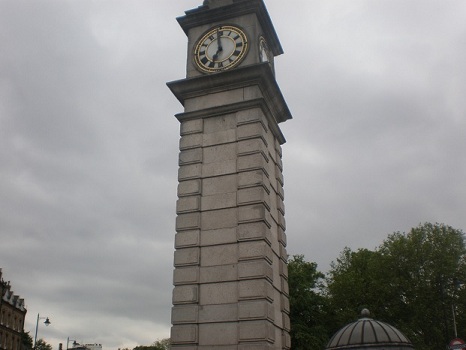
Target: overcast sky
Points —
{"points": [[89, 145]]}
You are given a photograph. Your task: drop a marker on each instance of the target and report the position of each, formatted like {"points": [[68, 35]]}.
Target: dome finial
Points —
{"points": [[365, 312]]}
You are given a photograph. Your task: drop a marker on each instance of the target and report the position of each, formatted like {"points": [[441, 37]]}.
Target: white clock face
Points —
{"points": [[264, 52], [221, 48]]}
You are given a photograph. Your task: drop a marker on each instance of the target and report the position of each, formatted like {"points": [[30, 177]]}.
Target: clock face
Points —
{"points": [[221, 48], [264, 52]]}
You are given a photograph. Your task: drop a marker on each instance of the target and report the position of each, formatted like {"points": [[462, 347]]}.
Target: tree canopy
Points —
{"points": [[412, 281]]}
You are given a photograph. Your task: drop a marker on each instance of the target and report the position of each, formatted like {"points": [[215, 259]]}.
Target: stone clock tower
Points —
{"points": [[230, 277]]}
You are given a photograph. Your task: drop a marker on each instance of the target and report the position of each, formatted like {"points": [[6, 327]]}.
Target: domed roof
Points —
{"points": [[367, 333]]}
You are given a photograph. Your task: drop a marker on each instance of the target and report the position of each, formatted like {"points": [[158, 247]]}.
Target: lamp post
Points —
{"points": [[46, 322], [68, 341]]}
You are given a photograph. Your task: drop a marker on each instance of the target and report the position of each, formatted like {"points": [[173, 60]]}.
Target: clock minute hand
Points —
{"points": [[219, 45]]}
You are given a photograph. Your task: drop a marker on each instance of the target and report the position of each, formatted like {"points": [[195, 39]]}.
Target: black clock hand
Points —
{"points": [[219, 45]]}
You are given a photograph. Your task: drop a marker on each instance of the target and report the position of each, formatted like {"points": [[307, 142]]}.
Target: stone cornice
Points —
{"points": [[272, 102]]}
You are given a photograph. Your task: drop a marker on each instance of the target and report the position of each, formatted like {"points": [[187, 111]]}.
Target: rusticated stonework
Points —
{"points": [[230, 276]]}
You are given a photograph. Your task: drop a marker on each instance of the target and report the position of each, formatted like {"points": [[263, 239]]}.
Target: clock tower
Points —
{"points": [[230, 276]]}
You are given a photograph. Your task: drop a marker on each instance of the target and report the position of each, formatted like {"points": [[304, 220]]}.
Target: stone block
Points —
{"points": [[187, 172], [279, 177], [224, 122], [219, 255], [216, 219], [218, 313], [254, 178], [255, 289], [280, 205], [279, 164], [213, 274], [281, 192], [190, 156], [286, 322], [219, 153], [185, 314], [219, 293], [184, 334], [285, 304], [253, 195], [285, 289], [256, 330], [218, 334], [255, 250], [255, 310], [253, 213], [252, 130], [213, 100], [278, 148], [219, 201], [220, 236], [188, 221], [219, 185], [283, 268], [220, 168], [188, 204], [185, 294], [255, 269], [191, 127], [252, 162], [186, 275], [249, 116], [257, 345], [254, 231], [283, 253], [189, 188], [187, 256], [219, 138], [281, 221], [187, 239], [282, 236], [286, 340], [191, 141], [251, 146]]}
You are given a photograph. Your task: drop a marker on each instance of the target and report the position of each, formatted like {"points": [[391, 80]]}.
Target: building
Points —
{"points": [[368, 334], [12, 316], [230, 278]]}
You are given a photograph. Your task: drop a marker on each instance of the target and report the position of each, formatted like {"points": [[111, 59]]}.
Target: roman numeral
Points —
{"points": [[204, 60]]}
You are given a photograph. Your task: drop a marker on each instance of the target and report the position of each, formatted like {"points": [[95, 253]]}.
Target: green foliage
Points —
{"points": [[409, 282], [42, 345], [26, 340], [163, 344], [307, 305]]}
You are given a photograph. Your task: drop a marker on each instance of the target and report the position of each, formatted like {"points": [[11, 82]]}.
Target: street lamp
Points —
{"points": [[46, 322], [68, 341]]}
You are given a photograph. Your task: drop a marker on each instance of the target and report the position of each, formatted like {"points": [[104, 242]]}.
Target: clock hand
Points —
{"points": [[219, 45]]}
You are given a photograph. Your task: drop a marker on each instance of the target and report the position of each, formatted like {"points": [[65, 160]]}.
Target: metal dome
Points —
{"points": [[367, 333]]}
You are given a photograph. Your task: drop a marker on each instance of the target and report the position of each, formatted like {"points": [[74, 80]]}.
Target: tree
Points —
{"points": [[409, 282], [163, 344], [42, 345], [26, 341], [307, 305], [354, 282]]}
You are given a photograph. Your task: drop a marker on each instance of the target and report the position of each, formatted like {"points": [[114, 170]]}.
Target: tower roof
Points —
{"points": [[367, 333]]}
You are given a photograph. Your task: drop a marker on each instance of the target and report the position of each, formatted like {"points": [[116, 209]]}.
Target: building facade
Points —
{"points": [[12, 316]]}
